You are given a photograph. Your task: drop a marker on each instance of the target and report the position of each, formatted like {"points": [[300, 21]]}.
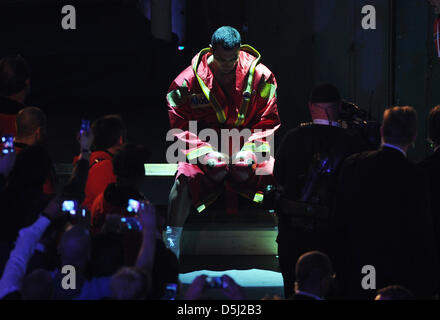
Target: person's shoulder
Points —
{"points": [[360, 157], [309, 129], [186, 81], [430, 162], [264, 72], [303, 132], [100, 155], [187, 74], [292, 134], [101, 159]]}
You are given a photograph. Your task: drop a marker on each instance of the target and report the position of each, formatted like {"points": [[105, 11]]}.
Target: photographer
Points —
{"points": [[305, 169], [109, 134], [128, 167]]}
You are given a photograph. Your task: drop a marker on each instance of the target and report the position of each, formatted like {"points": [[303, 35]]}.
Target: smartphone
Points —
{"points": [[85, 126], [214, 282], [170, 292], [7, 144], [70, 206], [131, 224], [133, 206]]}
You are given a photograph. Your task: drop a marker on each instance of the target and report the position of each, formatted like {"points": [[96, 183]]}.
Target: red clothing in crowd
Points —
{"points": [[100, 176], [8, 114], [251, 103], [7, 124]]}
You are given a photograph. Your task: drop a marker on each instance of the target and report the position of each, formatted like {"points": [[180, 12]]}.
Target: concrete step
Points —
{"points": [[229, 241]]}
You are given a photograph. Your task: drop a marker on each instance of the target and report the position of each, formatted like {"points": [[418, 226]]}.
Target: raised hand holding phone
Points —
{"points": [[7, 163], [7, 144], [147, 216], [53, 208], [85, 138]]}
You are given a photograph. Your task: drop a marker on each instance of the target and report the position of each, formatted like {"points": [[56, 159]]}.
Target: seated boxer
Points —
{"points": [[225, 88]]}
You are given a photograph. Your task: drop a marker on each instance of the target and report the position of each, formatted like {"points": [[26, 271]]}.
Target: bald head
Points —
{"points": [[325, 102], [312, 268], [394, 292], [31, 121], [399, 126], [74, 247]]}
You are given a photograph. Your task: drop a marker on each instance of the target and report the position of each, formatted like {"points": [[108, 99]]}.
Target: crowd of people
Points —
{"points": [[369, 208], [377, 209]]}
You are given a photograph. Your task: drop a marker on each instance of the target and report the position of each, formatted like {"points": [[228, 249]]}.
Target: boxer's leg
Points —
{"points": [[179, 207]]}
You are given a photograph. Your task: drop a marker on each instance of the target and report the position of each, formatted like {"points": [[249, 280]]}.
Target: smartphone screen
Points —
{"points": [[7, 144], [85, 126], [214, 282], [70, 206], [133, 206]]}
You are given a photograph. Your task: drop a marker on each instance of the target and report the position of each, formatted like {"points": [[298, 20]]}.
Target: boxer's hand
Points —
{"points": [[243, 166], [215, 165]]}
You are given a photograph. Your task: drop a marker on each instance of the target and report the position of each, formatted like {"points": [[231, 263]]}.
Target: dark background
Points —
{"points": [[113, 64]]}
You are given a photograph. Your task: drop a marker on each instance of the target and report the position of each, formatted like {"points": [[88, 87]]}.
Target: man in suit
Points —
{"points": [[381, 216], [431, 165], [324, 138], [314, 275]]}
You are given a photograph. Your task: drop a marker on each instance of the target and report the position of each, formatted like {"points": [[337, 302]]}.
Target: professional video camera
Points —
{"points": [[356, 119], [310, 210]]}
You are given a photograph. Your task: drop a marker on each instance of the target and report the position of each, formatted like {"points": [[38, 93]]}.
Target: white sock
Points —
{"points": [[173, 235]]}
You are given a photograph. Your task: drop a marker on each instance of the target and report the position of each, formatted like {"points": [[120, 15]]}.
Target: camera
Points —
{"points": [[356, 120], [7, 144], [214, 282], [351, 112]]}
